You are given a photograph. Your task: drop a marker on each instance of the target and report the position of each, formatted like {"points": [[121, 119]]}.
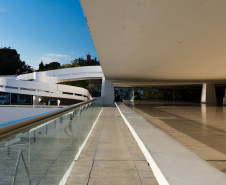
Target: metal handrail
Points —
{"points": [[12, 128]]}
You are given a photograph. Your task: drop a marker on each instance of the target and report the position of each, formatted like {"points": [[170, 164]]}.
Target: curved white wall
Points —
{"points": [[67, 74], [44, 89], [35, 83]]}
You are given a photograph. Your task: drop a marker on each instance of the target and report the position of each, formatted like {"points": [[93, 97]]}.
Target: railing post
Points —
{"points": [[34, 137], [8, 148], [46, 129]]}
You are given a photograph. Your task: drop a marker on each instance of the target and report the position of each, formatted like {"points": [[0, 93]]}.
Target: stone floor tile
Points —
{"points": [[208, 153], [111, 136], [216, 165], [109, 154], [115, 164], [135, 149], [77, 180], [112, 140], [113, 156], [146, 173], [113, 172], [117, 145], [149, 181], [84, 163], [142, 165], [138, 156], [200, 128], [222, 164], [80, 171], [114, 181]]}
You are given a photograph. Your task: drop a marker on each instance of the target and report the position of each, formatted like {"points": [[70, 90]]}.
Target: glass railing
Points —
{"points": [[43, 154]]}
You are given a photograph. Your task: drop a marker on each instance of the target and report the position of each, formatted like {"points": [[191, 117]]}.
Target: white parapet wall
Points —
{"points": [[66, 74], [44, 83], [41, 89]]}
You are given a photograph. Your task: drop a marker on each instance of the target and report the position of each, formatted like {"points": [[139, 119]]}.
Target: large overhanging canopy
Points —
{"points": [[159, 41]]}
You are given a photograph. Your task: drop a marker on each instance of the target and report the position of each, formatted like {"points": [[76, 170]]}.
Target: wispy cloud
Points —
{"points": [[56, 55], [52, 57], [2, 10]]}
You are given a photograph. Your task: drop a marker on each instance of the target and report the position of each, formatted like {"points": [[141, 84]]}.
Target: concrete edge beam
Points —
{"points": [[171, 162]]}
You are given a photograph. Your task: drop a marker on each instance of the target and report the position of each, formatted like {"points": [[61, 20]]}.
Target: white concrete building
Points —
{"points": [[151, 42]]}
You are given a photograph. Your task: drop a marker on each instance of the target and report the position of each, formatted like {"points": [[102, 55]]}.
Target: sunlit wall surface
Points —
{"points": [[43, 154]]}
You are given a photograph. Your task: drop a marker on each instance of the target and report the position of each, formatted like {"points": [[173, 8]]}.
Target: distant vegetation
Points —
{"points": [[75, 63], [93, 86], [55, 65], [50, 66], [10, 62], [68, 66]]}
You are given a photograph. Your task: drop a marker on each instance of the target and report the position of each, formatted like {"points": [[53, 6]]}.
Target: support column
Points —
{"points": [[107, 91], [10, 98], [224, 99], [36, 100], [132, 98], [58, 102], [208, 93]]}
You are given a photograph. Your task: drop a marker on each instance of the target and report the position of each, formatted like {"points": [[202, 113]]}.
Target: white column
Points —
{"points": [[208, 93], [36, 100], [58, 102], [224, 99], [132, 94], [107, 91]]}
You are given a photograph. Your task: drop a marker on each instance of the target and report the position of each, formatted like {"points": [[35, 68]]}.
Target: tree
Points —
{"points": [[50, 66], [10, 62], [41, 66], [53, 65], [68, 65]]}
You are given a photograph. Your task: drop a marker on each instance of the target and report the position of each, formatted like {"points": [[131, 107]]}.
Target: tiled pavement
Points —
{"points": [[201, 128], [111, 156]]}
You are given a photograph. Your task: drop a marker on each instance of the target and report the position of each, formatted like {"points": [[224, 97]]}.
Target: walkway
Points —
{"points": [[111, 156], [201, 128]]}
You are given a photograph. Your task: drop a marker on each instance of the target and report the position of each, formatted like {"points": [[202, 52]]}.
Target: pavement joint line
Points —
{"points": [[95, 152], [130, 152], [189, 121], [66, 175], [157, 172]]}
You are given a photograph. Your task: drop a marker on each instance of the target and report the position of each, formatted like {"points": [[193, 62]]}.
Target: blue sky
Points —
{"points": [[45, 30]]}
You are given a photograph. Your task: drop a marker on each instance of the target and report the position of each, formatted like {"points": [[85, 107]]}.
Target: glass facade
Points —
{"points": [[177, 93], [180, 93], [15, 99]]}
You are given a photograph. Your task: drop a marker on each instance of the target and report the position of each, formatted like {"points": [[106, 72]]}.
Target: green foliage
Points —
{"points": [[93, 86], [41, 66], [68, 66], [10, 62], [50, 66]]}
